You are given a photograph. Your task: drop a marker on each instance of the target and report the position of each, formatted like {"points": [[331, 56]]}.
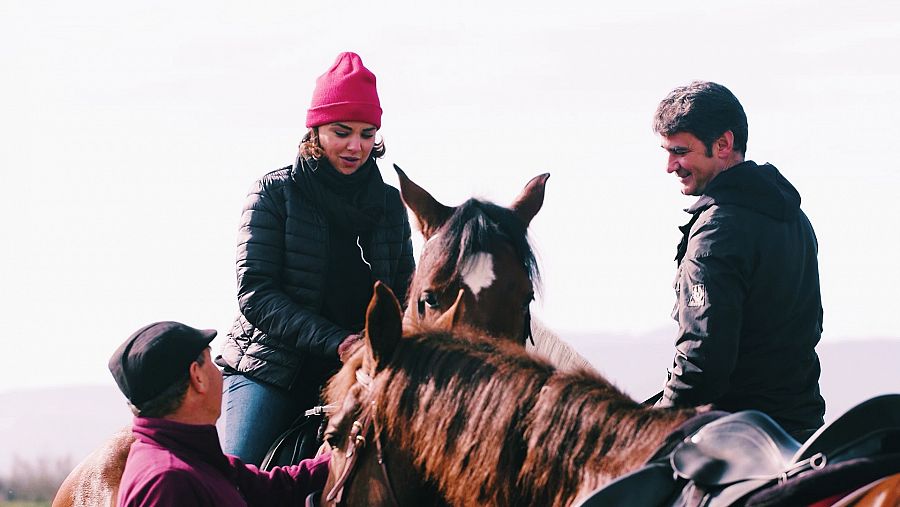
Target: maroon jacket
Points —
{"points": [[173, 463]]}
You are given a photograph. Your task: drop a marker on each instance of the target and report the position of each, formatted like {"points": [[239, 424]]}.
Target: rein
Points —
{"points": [[357, 442]]}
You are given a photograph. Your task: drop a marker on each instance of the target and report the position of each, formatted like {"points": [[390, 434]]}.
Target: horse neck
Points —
{"points": [[525, 434], [584, 432]]}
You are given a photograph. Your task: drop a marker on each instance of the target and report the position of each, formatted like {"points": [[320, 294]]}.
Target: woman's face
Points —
{"points": [[347, 144]]}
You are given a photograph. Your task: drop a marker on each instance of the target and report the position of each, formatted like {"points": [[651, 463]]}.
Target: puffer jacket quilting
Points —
{"points": [[278, 336]]}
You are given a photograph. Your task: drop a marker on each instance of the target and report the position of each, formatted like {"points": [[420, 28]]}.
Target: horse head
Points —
{"points": [[362, 471], [477, 267]]}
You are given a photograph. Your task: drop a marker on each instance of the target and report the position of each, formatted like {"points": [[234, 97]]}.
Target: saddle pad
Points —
{"points": [[881, 493], [884, 492], [878, 415], [747, 445], [649, 486], [815, 485]]}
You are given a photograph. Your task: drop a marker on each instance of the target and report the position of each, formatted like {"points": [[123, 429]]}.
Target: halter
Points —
{"points": [[357, 442]]}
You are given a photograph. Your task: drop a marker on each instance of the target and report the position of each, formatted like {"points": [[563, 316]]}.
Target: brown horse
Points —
{"points": [[445, 417], [95, 481], [477, 260]]}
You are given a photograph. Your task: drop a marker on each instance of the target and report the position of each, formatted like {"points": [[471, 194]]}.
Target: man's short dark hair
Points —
{"points": [[169, 400], [705, 109]]}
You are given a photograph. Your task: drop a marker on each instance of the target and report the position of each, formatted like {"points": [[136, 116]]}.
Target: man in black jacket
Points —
{"points": [[749, 309]]}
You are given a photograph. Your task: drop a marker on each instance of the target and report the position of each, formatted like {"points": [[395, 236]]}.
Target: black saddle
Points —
{"points": [[300, 441], [727, 460]]}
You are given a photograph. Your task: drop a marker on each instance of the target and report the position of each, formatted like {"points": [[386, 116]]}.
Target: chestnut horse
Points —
{"points": [[448, 416], [477, 260]]}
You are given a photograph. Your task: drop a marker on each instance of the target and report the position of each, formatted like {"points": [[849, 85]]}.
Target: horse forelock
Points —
{"points": [[475, 227]]}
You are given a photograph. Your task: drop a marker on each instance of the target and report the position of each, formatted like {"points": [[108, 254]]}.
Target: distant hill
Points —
{"points": [[72, 421], [38, 424], [852, 371]]}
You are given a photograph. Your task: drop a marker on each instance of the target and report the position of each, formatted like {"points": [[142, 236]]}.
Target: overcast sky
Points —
{"points": [[131, 132]]}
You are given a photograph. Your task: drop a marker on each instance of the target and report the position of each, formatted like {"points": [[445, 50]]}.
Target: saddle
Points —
{"points": [[300, 441], [728, 460]]}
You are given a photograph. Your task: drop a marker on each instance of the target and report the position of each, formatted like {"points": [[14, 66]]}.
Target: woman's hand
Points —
{"points": [[346, 348]]}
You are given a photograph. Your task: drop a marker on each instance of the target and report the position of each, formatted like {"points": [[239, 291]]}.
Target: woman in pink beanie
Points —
{"points": [[313, 239]]}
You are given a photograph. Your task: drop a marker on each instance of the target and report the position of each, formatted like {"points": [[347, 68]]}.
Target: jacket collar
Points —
{"points": [[760, 188], [198, 441]]}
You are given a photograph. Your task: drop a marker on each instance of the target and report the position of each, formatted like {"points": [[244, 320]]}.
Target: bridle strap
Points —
{"points": [[337, 492], [381, 461], [357, 442]]}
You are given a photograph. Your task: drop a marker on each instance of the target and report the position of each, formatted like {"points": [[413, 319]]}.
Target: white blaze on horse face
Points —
{"points": [[478, 273]]}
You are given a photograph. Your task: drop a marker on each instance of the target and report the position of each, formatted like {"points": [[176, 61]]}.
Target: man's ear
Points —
{"points": [[723, 147], [197, 378]]}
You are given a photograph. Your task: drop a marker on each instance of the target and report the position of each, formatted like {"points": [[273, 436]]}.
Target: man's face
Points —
{"points": [[214, 395], [688, 160]]}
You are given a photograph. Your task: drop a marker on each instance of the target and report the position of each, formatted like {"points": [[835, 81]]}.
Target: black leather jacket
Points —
{"points": [[748, 305], [278, 336]]}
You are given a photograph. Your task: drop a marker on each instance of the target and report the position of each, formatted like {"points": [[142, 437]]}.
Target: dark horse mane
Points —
{"points": [[474, 227], [490, 423]]}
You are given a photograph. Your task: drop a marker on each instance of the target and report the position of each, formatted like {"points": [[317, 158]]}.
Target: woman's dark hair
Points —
{"points": [[170, 399], [705, 109], [310, 147]]}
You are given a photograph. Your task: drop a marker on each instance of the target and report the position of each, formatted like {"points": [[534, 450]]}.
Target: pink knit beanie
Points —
{"points": [[345, 93]]}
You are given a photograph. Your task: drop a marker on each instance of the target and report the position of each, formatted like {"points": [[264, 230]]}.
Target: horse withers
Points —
{"points": [[95, 481]]}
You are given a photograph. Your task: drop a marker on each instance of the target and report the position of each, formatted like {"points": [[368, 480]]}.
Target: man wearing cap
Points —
{"points": [[748, 304], [175, 392]]}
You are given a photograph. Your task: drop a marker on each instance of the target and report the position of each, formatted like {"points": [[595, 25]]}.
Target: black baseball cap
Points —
{"points": [[155, 357]]}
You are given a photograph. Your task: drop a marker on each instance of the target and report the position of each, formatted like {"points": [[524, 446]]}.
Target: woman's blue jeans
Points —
{"points": [[255, 414]]}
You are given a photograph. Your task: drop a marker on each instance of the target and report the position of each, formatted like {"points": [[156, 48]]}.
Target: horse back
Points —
{"points": [[95, 481]]}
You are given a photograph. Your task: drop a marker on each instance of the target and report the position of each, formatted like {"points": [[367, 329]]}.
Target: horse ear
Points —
{"points": [[383, 324], [430, 214], [529, 202], [449, 319]]}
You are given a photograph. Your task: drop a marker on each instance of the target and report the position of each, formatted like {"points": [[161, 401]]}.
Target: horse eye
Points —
{"points": [[429, 299]]}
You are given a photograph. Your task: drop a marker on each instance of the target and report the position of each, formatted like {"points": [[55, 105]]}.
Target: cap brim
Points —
{"points": [[208, 334]]}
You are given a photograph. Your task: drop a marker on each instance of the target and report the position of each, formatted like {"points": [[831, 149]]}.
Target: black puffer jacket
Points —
{"points": [[748, 303], [278, 336]]}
